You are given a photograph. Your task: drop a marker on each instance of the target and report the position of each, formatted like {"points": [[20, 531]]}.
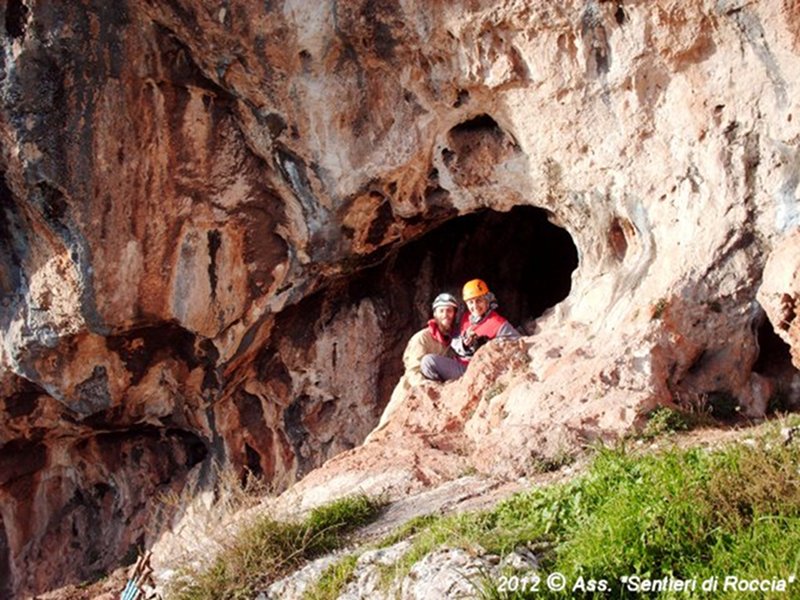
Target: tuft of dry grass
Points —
{"points": [[269, 549]]}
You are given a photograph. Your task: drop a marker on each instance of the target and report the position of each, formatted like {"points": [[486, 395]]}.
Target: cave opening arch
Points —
{"points": [[526, 260]]}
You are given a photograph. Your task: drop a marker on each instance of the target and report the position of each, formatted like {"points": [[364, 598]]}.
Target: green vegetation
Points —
{"points": [[680, 513], [333, 580], [663, 420], [269, 549], [431, 532], [408, 529], [688, 514], [547, 464]]}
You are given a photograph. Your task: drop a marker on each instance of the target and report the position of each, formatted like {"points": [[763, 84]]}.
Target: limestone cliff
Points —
{"points": [[220, 221]]}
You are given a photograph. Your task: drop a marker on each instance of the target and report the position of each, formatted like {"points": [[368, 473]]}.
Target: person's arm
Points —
{"points": [[415, 350]]}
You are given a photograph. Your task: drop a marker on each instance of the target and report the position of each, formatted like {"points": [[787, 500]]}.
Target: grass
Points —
{"points": [[679, 513], [333, 580], [663, 420], [547, 464], [269, 549], [408, 529]]}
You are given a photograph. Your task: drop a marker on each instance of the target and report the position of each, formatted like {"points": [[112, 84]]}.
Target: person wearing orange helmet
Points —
{"points": [[433, 340], [480, 324]]}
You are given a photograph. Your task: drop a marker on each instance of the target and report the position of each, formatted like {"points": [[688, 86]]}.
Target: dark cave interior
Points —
{"points": [[526, 261]]}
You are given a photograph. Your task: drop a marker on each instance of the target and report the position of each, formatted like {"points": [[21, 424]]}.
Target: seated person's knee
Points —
{"points": [[428, 367]]}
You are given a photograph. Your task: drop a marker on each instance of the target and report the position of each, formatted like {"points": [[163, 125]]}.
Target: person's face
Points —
{"points": [[478, 306], [444, 316]]}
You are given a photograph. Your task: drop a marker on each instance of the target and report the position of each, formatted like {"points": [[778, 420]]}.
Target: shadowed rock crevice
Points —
{"points": [[774, 355], [24, 400], [774, 363], [597, 51], [97, 504], [5, 563], [11, 243], [140, 349], [16, 17]]}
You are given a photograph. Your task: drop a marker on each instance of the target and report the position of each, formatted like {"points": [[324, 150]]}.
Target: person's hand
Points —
{"points": [[469, 337]]}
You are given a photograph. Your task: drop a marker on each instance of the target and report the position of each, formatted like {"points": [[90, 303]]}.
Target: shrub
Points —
{"points": [[664, 419]]}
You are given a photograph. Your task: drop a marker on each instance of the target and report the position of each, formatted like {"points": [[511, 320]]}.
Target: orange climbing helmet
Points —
{"points": [[475, 289]]}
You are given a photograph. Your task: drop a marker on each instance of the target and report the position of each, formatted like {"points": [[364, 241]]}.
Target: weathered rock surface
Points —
{"points": [[442, 573], [446, 573], [219, 223]]}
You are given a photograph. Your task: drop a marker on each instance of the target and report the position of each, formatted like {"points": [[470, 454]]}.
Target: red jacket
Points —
{"points": [[486, 329]]}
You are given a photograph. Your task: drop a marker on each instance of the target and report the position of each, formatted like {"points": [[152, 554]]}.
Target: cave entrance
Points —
{"points": [[525, 259]]}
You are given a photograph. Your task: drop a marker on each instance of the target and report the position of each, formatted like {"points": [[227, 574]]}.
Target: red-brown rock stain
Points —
{"points": [[620, 231], [791, 13]]}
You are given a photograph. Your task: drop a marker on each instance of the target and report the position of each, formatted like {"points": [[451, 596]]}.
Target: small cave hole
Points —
{"points": [[16, 17], [774, 356], [477, 145], [619, 15], [194, 449], [253, 461], [477, 124], [775, 363], [461, 99]]}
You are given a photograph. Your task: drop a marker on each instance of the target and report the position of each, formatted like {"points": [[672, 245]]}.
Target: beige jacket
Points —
{"points": [[420, 344]]}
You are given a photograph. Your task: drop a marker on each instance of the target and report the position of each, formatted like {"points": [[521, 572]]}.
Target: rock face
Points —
{"points": [[442, 573], [219, 223]]}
